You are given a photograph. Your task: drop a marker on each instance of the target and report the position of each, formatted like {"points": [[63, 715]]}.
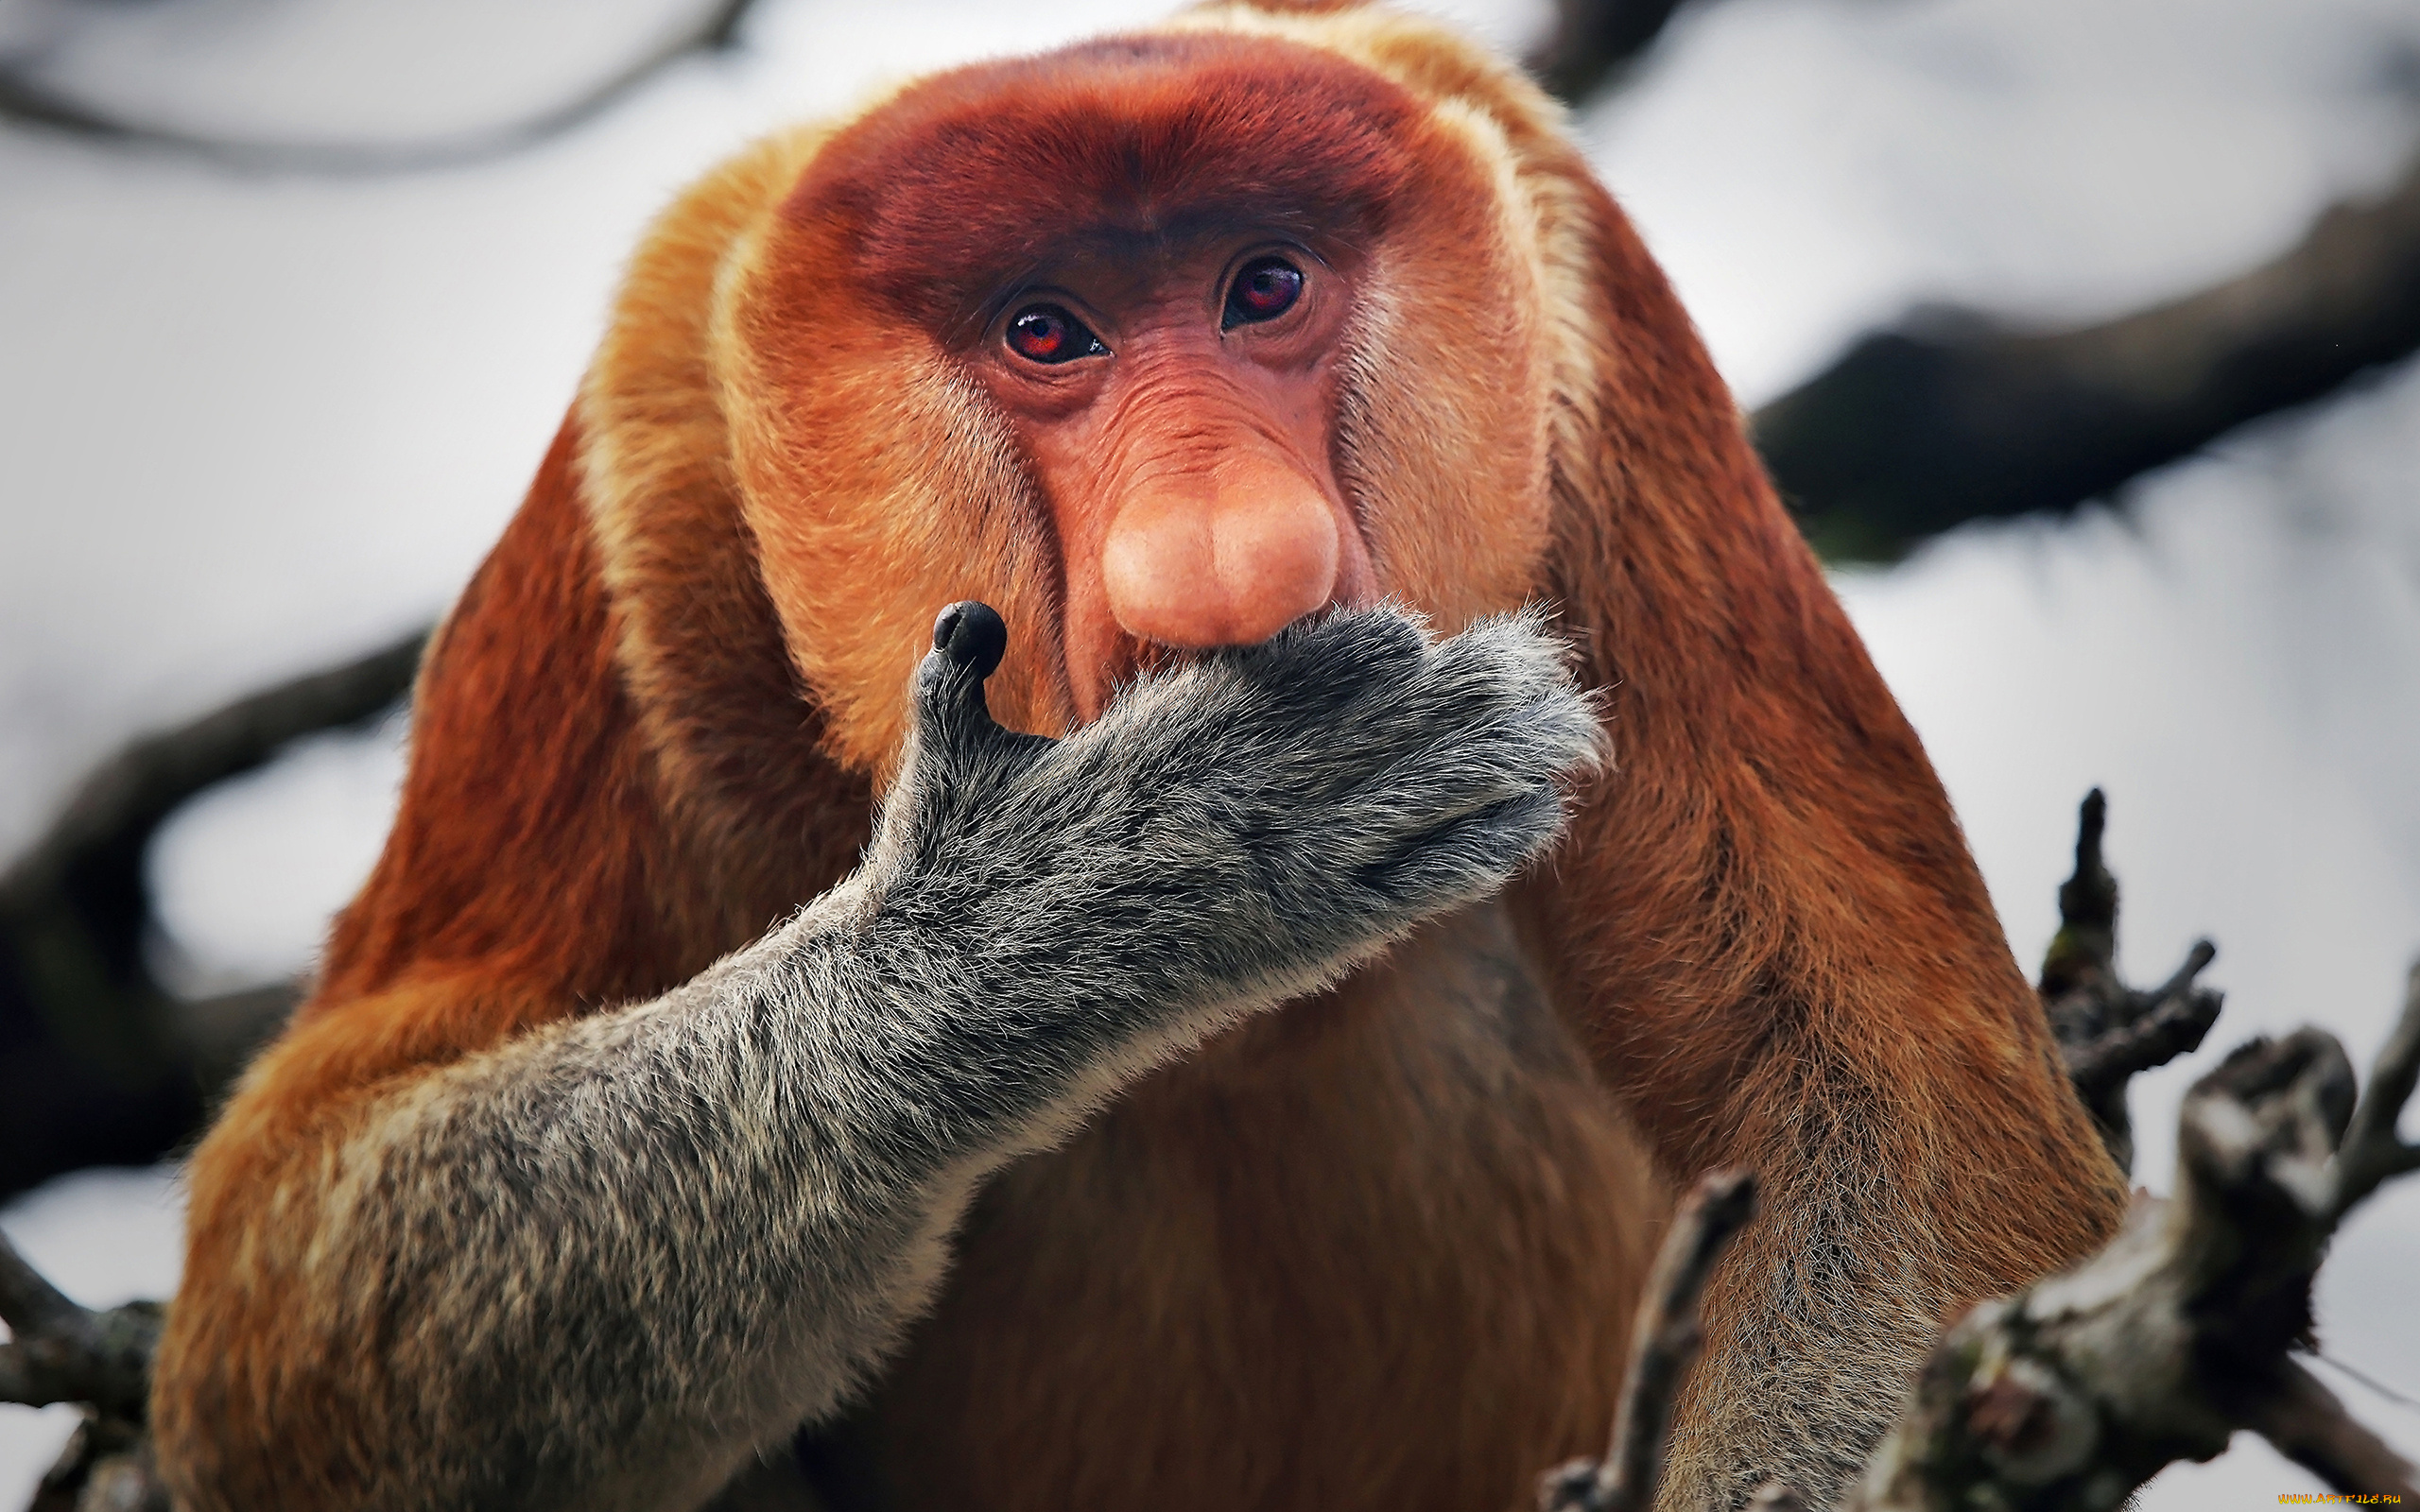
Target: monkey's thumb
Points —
{"points": [[969, 638]]}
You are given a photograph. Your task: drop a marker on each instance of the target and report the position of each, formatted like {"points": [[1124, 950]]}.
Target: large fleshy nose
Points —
{"points": [[1227, 555]]}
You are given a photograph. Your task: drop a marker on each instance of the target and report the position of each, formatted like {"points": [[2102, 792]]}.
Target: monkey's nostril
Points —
{"points": [[971, 634]]}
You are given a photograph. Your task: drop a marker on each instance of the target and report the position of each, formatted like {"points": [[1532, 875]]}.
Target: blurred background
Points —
{"points": [[2076, 329]]}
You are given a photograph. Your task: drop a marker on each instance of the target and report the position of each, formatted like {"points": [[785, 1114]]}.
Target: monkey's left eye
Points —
{"points": [[1047, 333], [1266, 289]]}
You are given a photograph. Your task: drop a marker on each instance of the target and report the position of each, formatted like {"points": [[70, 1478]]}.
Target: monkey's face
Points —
{"points": [[1155, 344], [1177, 406]]}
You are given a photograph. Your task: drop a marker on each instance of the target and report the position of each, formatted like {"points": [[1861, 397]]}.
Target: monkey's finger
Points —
{"points": [[1459, 817], [1462, 770], [1468, 854], [1505, 686]]}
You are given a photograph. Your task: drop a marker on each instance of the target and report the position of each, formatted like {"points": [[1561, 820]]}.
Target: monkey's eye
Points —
{"points": [[1047, 333], [1266, 289]]}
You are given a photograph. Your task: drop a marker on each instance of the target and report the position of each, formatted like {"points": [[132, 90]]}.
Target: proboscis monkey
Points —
{"points": [[1174, 1106]]}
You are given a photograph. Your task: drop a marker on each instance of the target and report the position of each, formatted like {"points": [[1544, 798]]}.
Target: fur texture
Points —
{"points": [[476, 1231]]}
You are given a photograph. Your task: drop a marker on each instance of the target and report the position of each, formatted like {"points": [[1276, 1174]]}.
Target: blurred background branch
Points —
{"points": [[1593, 41], [27, 100], [100, 1063], [1953, 417]]}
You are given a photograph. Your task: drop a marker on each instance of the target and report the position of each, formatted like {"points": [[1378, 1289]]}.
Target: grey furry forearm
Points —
{"points": [[803, 1125]]}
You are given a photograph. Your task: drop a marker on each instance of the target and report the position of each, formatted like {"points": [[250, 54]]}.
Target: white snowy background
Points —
{"points": [[250, 423]]}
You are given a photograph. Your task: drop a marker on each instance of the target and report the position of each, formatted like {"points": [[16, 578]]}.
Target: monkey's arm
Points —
{"points": [[599, 1265]]}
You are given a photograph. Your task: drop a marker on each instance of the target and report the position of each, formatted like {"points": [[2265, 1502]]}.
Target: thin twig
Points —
{"points": [[2368, 1381], [2107, 1032], [2162, 1024], [1664, 1341], [2372, 1152], [2085, 947]]}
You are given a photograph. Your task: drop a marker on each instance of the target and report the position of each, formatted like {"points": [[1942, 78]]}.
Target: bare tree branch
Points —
{"points": [[96, 845], [98, 1063], [1664, 1342], [106, 1466], [2072, 1392], [26, 100], [59, 1351], [1954, 417]]}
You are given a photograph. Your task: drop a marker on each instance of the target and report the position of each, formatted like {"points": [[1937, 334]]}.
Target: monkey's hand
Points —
{"points": [[1233, 832]]}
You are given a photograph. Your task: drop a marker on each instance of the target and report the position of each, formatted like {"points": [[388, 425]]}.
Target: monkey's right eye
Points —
{"points": [[1047, 333]]}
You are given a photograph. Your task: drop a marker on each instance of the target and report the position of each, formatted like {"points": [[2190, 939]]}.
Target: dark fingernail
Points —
{"points": [[971, 634]]}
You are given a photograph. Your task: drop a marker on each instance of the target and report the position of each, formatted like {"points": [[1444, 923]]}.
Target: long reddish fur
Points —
{"points": [[656, 719]]}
